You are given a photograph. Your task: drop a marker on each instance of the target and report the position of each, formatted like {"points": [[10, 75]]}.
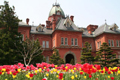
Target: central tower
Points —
{"points": [[55, 14]]}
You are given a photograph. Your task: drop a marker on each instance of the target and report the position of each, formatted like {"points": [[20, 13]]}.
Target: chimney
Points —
{"points": [[47, 24], [54, 22], [72, 17], [27, 20], [91, 28], [43, 25]]}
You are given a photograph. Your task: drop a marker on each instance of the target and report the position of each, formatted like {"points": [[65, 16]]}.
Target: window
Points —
{"points": [[39, 29], [117, 43], [98, 44], [58, 13], [109, 42], [43, 44], [47, 44], [66, 41], [68, 25], [22, 37], [54, 43], [72, 41], [112, 43], [62, 41], [91, 46], [82, 45], [47, 59], [76, 43]]}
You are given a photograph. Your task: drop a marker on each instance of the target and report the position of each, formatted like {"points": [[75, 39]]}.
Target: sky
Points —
{"points": [[85, 12]]}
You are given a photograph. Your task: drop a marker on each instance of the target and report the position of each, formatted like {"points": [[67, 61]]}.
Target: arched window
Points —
{"points": [[58, 13]]}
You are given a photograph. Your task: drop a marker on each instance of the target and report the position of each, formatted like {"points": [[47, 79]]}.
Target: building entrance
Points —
{"points": [[69, 57]]}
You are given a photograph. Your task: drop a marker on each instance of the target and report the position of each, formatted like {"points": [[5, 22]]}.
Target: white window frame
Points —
{"points": [[47, 44], [58, 13], [109, 43], [66, 41], [117, 43], [91, 46], [62, 41], [82, 45], [39, 29], [112, 43], [72, 41], [76, 41], [98, 44], [67, 24], [43, 44], [22, 37], [47, 59], [54, 43]]}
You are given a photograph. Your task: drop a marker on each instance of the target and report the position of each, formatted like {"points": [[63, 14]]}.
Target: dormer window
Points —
{"points": [[67, 22], [114, 28], [68, 25], [39, 29], [58, 12]]}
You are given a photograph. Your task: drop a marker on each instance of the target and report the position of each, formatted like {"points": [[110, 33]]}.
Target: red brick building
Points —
{"points": [[61, 33]]}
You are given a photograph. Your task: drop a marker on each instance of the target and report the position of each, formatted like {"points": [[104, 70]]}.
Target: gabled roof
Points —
{"points": [[105, 28], [45, 31], [61, 26]]}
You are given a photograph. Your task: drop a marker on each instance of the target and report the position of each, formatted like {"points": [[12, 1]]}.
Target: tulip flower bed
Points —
{"points": [[45, 71]]}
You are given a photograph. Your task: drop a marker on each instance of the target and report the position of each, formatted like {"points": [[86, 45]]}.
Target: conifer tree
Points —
{"points": [[105, 57], [55, 58], [86, 55], [8, 34]]}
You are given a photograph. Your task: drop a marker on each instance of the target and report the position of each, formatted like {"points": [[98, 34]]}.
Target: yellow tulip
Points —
{"points": [[72, 77], [84, 77]]}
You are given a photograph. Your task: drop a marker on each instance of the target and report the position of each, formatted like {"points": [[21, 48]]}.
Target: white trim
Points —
{"points": [[75, 41], [47, 44], [62, 41], [66, 41], [43, 44], [54, 43], [109, 43], [72, 41], [117, 43], [112, 43]]}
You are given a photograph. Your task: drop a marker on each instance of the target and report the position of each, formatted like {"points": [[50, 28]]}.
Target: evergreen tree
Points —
{"points": [[105, 57], [72, 62], [8, 34], [86, 55], [55, 58]]}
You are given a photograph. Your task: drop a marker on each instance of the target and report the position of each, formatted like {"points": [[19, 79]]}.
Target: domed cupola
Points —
{"points": [[56, 9]]}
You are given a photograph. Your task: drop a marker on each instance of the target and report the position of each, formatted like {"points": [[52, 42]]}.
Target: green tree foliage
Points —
{"points": [[105, 57], [31, 51], [55, 58], [86, 55], [8, 34]]}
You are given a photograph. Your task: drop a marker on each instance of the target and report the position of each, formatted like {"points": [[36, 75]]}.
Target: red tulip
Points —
{"points": [[112, 78], [44, 79], [90, 76], [0, 73], [109, 72], [81, 73], [31, 75]]}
